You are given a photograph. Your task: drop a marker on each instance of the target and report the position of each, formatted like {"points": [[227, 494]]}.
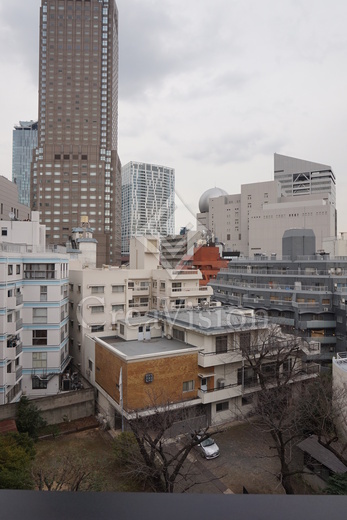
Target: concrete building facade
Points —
{"points": [[10, 207], [254, 220], [76, 170], [148, 201], [24, 141], [34, 323], [100, 297], [191, 359], [303, 291], [173, 248]]}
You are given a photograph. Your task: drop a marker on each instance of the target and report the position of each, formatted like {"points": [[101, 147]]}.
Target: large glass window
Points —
{"points": [[39, 337], [40, 315], [39, 360]]}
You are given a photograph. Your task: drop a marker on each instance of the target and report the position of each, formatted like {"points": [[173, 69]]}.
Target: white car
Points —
{"points": [[208, 449]]}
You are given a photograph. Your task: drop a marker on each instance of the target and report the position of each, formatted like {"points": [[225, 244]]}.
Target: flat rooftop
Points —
{"points": [[213, 320], [142, 348]]}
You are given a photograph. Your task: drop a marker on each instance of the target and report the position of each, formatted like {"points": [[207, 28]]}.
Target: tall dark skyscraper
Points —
{"points": [[76, 170]]}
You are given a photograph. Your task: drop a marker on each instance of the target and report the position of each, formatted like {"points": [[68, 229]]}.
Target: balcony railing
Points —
{"points": [[19, 324], [40, 275], [19, 373]]}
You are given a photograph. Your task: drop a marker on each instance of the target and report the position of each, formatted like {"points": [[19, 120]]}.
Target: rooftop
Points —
{"points": [[212, 320], [134, 349], [321, 454]]}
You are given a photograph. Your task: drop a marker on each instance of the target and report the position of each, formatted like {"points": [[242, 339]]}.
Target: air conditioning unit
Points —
{"points": [[220, 384], [325, 309]]}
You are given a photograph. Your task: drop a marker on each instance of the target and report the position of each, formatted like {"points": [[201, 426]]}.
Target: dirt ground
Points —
{"points": [[93, 448], [245, 461]]}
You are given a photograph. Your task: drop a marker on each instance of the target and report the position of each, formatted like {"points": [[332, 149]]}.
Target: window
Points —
{"points": [[39, 337], [245, 341], [117, 288], [97, 289], [188, 386], [3, 230], [39, 360], [43, 293], [39, 271], [39, 384], [178, 334], [97, 328], [116, 308], [10, 269], [40, 315], [222, 407], [90, 364], [221, 344], [96, 308], [17, 269], [121, 328], [247, 377]]}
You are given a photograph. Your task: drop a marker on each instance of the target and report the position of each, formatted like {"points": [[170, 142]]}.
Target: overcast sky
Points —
{"points": [[210, 88]]}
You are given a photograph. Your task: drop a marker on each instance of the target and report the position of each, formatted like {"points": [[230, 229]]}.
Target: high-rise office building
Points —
{"points": [[298, 177], [148, 201], [76, 170], [23, 143]]}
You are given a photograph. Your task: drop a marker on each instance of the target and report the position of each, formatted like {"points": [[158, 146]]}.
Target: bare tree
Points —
{"points": [[320, 411], [162, 464], [273, 362], [68, 473]]}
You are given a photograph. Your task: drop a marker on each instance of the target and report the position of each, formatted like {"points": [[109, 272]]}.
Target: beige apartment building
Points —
{"points": [[76, 169], [100, 297], [10, 206]]}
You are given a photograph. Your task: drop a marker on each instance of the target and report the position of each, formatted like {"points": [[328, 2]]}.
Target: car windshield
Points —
{"points": [[207, 442]]}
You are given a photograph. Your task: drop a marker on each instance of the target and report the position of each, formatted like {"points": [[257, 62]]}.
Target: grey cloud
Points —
{"points": [[231, 148], [19, 22], [161, 40]]}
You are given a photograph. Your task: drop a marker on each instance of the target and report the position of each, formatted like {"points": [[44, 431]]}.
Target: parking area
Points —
{"points": [[245, 461]]}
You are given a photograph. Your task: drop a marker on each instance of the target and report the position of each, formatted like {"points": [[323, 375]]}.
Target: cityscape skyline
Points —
{"points": [[215, 108]]}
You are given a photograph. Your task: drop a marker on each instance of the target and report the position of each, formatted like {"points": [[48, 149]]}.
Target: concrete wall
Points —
{"points": [[73, 405]]}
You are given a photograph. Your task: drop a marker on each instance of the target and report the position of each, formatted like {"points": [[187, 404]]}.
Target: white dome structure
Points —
{"points": [[207, 195]]}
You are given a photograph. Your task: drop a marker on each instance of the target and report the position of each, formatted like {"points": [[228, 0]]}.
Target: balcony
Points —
{"points": [[13, 377], [19, 324], [40, 275], [212, 359], [14, 351], [220, 394], [191, 291], [315, 324], [19, 299], [11, 302], [140, 291], [138, 305]]}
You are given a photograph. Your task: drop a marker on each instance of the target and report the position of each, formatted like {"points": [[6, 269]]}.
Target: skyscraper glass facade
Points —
{"points": [[148, 201]]}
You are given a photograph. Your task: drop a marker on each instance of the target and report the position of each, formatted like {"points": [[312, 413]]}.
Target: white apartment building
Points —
{"points": [[34, 325], [255, 220], [192, 358], [100, 297], [148, 201]]}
